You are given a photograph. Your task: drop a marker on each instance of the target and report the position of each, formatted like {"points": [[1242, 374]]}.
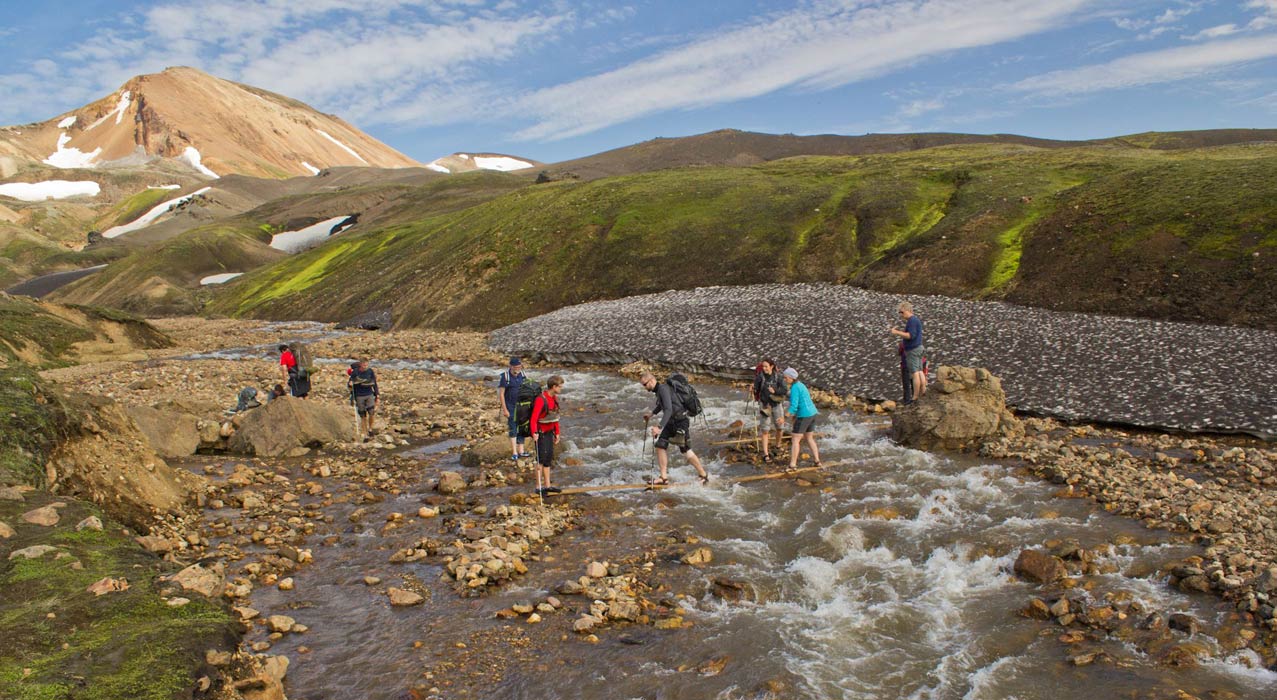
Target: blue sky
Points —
{"points": [[560, 79]]}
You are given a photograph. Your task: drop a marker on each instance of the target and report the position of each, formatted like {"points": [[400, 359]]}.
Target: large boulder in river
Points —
{"points": [[171, 433], [488, 452], [962, 407], [289, 425]]}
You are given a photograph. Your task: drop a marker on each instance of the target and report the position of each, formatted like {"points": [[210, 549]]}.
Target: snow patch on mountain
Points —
{"points": [[313, 170], [346, 148], [126, 98], [434, 165], [49, 189], [219, 279], [311, 236], [191, 156], [156, 212], [71, 157], [67, 123], [503, 163]]}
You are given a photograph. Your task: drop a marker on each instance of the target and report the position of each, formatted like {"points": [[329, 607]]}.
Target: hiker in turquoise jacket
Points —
{"points": [[804, 412]]}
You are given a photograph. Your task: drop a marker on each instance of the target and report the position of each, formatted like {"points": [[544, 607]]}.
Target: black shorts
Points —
{"points": [[802, 426], [679, 432], [545, 449]]}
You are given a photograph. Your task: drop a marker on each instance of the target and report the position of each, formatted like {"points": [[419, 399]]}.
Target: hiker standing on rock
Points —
{"points": [[289, 370], [912, 336], [508, 397], [803, 409], [770, 392], [676, 428], [545, 431], [364, 394]]}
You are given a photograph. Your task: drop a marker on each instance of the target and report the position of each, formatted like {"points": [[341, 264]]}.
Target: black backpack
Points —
{"points": [[685, 395], [528, 392]]}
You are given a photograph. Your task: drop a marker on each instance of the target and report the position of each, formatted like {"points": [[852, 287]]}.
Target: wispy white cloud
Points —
{"points": [[1152, 67], [820, 46]]}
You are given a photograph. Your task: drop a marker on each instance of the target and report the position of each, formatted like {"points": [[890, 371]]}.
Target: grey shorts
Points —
{"points": [[365, 404], [677, 432], [802, 426], [774, 420], [913, 358]]}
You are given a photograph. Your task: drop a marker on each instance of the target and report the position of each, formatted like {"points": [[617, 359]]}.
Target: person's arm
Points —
{"points": [[501, 385], [376, 390], [666, 402]]}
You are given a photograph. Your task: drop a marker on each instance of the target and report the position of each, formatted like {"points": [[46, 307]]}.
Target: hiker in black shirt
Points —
{"points": [[770, 392], [675, 428]]}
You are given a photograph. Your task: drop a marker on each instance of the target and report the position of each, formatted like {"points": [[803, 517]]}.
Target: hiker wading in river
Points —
{"points": [[508, 397], [365, 395], [675, 428], [545, 431], [803, 409], [770, 393], [912, 336]]}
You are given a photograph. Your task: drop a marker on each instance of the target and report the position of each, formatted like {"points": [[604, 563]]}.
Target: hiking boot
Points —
{"points": [[553, 489], [514, 458], [525, 455]]}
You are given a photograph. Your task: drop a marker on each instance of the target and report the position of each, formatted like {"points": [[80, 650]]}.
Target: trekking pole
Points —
{"points": [[537, 466]]}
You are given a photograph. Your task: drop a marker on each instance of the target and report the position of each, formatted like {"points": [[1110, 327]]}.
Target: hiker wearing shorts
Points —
{"points": [[508, 397], [675, 428], [770, 393], [545, 431], [364, 394], [803, 409], [914, 350]]}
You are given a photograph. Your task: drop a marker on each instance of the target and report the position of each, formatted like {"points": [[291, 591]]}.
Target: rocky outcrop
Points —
{"points": [[170, 433], [962, 407], [111, 463], [487, 452], [289, 426]]}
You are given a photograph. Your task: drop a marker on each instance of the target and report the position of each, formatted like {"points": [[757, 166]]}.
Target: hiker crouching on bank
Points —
{"points": [[508, 396], [365, 395], [803, 409], [545, 431], [769, 391], [675, 428]]}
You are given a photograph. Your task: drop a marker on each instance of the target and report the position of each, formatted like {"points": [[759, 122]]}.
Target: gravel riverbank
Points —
{"points": [[1073, 366]]}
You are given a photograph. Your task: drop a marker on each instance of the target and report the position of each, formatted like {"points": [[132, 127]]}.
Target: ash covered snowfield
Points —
{"points": [[1073, 366]]}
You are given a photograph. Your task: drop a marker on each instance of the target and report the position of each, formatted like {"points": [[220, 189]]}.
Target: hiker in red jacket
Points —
{"points": [[545, 430]]}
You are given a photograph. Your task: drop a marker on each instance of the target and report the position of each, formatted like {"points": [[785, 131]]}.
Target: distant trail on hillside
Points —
{"points": [[40, 286], [1074, 366]]}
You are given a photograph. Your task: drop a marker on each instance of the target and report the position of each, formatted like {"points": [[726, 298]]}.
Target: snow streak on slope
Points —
{"points": [[49, 189], [191, 156], [156, 212], [502, 163], [343, 146]]}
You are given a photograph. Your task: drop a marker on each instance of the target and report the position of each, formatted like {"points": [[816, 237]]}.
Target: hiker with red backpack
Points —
{"points": [[545, 431], [677, 403], [770, 393]]}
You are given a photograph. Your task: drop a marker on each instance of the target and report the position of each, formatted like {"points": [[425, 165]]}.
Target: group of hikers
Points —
{"points": [[532, 412], [296, 368]]}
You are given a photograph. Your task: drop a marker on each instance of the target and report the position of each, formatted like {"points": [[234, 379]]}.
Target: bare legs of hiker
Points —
{"points": [[663, 463], [794, 449]]}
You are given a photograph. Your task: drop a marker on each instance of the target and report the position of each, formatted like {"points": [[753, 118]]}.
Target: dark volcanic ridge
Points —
{"points": [[1088, 367]]}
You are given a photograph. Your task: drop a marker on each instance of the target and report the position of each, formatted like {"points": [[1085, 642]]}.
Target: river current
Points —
{"points": [[843, 602]]}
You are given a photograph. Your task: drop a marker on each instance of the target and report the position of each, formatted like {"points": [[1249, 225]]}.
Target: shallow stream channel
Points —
{"points": [[890, 578]]}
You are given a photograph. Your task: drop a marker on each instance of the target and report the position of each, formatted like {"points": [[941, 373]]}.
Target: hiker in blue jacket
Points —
{"points": [[803, 409], [508, 397], [913, 349]]}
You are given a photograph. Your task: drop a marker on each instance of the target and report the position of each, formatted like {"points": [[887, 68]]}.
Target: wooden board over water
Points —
{"points": [[654, 487], [741, 441]]}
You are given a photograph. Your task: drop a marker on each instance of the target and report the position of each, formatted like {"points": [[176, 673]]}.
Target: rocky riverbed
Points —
{"points": [[416, 565], [1074, 366]]}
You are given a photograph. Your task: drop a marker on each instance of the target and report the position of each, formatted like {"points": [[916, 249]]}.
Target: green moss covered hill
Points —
{"points": [[1123, 227]]}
